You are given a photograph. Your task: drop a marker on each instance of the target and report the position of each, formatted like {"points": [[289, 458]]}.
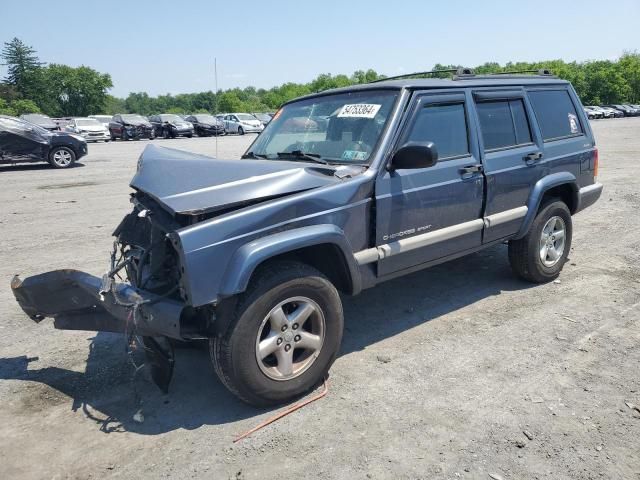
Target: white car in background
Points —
{"points": [[91, 129], [241, 123], [103, 119]]}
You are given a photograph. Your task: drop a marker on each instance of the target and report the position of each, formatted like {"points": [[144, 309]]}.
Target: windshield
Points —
{"points": [[134, 118], [205, 118], [245, 117], [171, 118], [88, 122], [21, 126], [341, 128], [102, 118]]}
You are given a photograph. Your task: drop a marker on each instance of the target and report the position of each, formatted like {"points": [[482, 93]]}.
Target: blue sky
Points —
{"points": [[169, 46]]}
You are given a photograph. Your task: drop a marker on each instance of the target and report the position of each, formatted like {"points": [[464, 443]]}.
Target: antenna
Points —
{"points": [[215, 98]]}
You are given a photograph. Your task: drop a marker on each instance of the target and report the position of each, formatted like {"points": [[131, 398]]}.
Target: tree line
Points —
{"points": [[60, 90]]}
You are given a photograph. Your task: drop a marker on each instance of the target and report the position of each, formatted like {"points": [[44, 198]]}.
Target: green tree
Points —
{"points": [[24, 106], [67, 91], [20, 59], [5, 109], [113, 105]]}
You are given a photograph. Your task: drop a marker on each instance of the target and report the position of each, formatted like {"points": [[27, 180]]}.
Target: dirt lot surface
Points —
{"points": [[460, 371]]}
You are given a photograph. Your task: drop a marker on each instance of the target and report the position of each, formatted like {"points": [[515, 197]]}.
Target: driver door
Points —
{"points": [[429, 213]]}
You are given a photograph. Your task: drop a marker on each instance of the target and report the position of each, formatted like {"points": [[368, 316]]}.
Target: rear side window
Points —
{"points": [[556, 114], [503, 123], [445, 126]]}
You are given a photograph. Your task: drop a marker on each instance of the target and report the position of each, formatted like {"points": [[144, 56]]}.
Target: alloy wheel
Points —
{"points": [[552, 241], [290, 338], [62, 158]]}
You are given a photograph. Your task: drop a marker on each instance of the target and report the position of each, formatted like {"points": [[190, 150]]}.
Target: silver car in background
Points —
{"points": [[103, 119], [90, 129], [241, 123]]}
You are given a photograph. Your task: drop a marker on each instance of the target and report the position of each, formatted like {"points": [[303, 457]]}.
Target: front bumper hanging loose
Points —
{"points": [[75, 302]]}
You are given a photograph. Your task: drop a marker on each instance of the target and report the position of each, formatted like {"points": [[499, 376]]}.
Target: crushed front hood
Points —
{"points": [[188, 183]]}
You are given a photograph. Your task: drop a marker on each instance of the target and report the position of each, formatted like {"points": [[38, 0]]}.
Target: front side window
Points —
{"points": [[336, 128], [503, 123], [555, 113], [445, 126]]}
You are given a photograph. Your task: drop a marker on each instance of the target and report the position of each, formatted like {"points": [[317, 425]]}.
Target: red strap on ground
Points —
{"points": [[285, 412]]}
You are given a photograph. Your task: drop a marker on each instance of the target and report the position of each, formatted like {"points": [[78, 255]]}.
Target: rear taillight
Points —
{"points": [[595, 163]]}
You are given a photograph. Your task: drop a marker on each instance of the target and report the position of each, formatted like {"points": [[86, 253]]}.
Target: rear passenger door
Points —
{"points": [[426, 214], [512, 155]]}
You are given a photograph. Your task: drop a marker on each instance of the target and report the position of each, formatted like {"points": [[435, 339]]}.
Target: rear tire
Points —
{"points": [[540, 255], [296, 356]]}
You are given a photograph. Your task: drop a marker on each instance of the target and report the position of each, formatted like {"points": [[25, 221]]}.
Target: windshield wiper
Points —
{"points": [[299, 154], [253, 155]]}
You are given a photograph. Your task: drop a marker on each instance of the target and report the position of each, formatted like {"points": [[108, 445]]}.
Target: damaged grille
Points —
{"points": [[151, 261]]}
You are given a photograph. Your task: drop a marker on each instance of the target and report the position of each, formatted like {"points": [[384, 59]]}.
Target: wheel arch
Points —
{"points": [[562, 185], [325, 247]]}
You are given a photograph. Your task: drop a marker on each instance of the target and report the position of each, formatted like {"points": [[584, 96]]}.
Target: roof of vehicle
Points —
{"points": [[436, 83]]}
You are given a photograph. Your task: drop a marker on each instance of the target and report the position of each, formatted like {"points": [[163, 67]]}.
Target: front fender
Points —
{"points": [[537, 192], [245, 260]]}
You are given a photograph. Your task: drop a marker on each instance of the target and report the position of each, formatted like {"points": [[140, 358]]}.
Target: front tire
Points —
{"points": [[240, 131], [283, 336], [540, 255], [62, 157]]}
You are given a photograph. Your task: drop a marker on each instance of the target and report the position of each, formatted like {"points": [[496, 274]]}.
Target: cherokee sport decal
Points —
{"points": [[405, 233]]}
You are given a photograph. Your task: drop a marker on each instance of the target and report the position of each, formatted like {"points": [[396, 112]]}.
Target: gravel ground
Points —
{"points": [[460, 371]]}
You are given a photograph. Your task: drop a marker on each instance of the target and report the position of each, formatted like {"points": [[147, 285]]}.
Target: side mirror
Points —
{"points": [[414, 155]]}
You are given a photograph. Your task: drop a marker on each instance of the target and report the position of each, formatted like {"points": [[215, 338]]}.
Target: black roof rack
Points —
{"points": [[543, 72], [468, 73], [460, 72]]}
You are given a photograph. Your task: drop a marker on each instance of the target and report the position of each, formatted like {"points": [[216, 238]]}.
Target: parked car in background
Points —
{"points": [[242, 123], [265, 118], [592, 113], [130, 126], [88, 128], [634, 109], [41, 120], [22, 141], [627, 111], [614, 112], [205, 125], [170, 125], [103, 119], [604, 113], [62, 122]]}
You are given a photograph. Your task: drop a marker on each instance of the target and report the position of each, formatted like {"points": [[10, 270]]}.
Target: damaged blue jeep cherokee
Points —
{"points": [[342, 190]]}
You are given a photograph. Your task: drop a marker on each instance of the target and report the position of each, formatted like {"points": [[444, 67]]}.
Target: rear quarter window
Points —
{"points": [[556, 114]]}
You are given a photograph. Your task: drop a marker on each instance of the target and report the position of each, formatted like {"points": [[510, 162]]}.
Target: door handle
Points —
{"points": [[532, 158], [470, 170]]}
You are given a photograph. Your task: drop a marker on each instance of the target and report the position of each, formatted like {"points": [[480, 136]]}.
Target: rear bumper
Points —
{"points": [[589, 195], [73, 299]]}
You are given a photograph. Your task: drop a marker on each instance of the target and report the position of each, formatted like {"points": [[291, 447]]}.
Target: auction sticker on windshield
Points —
{"points": [[359, 110]]}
